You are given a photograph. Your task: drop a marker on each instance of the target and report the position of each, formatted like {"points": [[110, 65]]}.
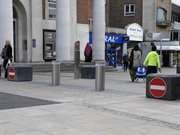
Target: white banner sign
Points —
{"points": [[135, 32]]}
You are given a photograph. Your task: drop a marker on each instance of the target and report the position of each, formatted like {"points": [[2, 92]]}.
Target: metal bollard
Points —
{"points": [[76, 71], [55, 73], [100, 77], [76, 60]]}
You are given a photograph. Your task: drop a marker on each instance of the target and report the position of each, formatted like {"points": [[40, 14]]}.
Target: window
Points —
{"points": [[161, 18], [175, 35], [52, 9], [49, 45], [175, 18], [161, 15], [129, 10]]}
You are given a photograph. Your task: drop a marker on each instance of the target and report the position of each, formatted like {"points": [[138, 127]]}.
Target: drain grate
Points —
{"points": [[10, 101]]}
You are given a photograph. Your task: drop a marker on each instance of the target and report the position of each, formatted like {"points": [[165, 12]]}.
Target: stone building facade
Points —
{"points": [[34, 23], [157, 15], [117, 15]]}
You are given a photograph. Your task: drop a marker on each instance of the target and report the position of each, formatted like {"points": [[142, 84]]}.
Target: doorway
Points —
{"points": [[19, 32], [166, 59]]}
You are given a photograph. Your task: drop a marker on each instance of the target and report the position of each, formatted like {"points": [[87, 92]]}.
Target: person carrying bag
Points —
{"points": [[6, 55], [134, 62]]}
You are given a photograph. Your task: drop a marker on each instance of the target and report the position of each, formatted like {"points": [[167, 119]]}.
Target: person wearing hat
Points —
{"points": [[152, 60]]}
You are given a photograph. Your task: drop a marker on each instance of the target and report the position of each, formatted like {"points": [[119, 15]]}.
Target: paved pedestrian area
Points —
{"points": [[9, 101], [76, 109]]}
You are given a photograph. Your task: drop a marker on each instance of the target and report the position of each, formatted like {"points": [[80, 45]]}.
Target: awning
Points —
{"points": [[168, 46]]}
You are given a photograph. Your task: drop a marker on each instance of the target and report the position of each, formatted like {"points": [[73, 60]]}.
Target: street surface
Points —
{"points": [[76, 109]]}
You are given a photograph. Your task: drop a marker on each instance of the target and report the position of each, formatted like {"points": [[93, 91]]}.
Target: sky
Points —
{"points": [[177, 2]]}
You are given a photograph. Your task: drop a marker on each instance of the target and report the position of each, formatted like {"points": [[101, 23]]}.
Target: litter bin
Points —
{"points": [[161, 86]]}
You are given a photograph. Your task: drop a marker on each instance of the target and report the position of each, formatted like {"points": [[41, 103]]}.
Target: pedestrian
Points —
{"points": [[152, 61], [125, 62], [6, 55], [134, 62], [88, 53]]}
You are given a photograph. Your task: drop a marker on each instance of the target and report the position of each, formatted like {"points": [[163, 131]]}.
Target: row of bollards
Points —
{"points": [[99, 80]]}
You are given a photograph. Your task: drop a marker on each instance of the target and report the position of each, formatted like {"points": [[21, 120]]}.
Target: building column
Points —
{"points": [[65, 31], [98, 30], [6, 22], [171, 58], [73, 27], [29, 33]]}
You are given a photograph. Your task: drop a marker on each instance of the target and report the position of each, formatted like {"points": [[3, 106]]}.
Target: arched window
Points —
{"points": [[161, 15]]}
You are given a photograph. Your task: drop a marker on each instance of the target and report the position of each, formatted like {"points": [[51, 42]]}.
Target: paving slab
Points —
{"points": [[121, 109]]}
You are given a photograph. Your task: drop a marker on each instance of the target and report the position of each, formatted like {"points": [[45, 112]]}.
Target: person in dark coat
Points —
{"points": [[88, 53], [134, 61], [6, 55]]}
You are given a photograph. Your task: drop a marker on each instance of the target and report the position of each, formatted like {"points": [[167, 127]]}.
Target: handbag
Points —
{"points": [[8, 63]]}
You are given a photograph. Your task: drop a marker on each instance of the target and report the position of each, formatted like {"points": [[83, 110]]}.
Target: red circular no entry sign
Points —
{"points": [[11, 73], [157, 87]]}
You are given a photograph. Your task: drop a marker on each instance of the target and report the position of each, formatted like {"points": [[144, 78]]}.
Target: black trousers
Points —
{"points": [[5, 62], [125, 66], [151, 69], [88, 59]]}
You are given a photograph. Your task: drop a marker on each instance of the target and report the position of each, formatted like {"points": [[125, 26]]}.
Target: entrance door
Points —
{"points": [[166, 60], [20, 32]]}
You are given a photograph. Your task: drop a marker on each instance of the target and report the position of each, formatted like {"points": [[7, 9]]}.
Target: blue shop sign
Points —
{"points": [[113, 38]]}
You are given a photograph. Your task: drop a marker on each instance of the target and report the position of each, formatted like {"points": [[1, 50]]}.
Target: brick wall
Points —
{"points": [[116, 13], [84, 11]]}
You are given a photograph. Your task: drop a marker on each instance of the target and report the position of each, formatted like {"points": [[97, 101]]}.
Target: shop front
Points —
{"points": [[166, 48], [169, 51], [135, 33], [49, 45], [114, 43]]}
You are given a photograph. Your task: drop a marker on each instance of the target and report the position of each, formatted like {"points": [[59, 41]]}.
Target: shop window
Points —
{"points": [[129, 10], [174, 36], [52, 9], [49, 45], [175, 18]]}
